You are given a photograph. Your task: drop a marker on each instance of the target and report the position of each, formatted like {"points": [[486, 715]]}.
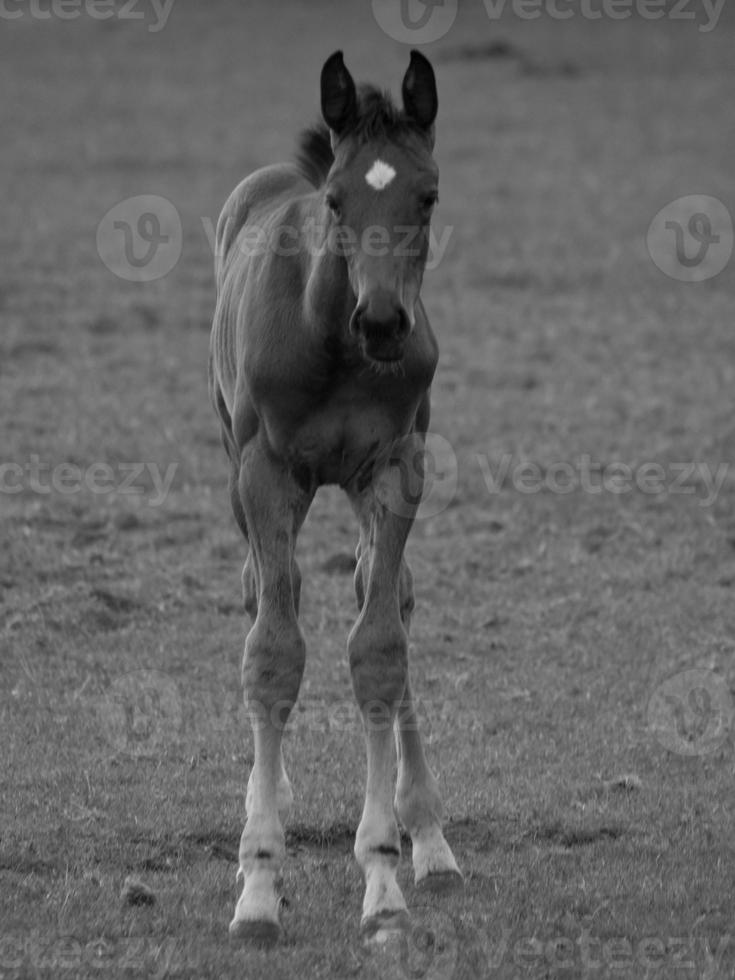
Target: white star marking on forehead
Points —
{"points": [[380, 175]]}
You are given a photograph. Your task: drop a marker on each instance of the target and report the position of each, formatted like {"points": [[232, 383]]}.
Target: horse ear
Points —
{"points": [[420, 100], [339, 98]]}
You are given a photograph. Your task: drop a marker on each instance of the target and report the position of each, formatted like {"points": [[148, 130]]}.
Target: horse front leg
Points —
{"points": [[378, 655], [274, 508]]}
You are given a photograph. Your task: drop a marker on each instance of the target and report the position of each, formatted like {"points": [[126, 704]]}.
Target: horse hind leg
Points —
{"points": [[284, 793], [417, 800]]}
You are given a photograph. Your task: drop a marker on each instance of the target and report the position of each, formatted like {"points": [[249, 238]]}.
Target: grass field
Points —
{"points": [[588, 778]]}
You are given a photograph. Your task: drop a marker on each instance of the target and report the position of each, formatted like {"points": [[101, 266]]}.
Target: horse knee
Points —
{"points": [[378, 655], [275, 654]]}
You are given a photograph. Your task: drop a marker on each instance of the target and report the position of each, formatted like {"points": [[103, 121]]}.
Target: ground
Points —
{"points": [[573, 651]]}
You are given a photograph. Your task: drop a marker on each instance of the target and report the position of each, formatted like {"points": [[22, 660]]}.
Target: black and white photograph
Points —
{"points": [[367, 490]]}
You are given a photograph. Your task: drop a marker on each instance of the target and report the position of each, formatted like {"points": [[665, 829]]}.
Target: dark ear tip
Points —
{"points": [[417, 56], [338, 95], [420, 100], [335, 59]]}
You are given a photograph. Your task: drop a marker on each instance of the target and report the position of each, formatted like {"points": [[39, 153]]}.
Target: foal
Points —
{"points": [[320, 366]]}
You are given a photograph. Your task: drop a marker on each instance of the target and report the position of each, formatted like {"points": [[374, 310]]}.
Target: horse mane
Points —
{"points": [[378, 117], [314, 156]]}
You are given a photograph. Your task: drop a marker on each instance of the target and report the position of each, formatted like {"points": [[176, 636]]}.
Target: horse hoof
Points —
{"points": [[440, 882], [258, 932], [383, 926]]}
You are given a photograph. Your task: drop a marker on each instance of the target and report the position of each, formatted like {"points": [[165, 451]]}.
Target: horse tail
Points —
{"points": [[314, 156]]}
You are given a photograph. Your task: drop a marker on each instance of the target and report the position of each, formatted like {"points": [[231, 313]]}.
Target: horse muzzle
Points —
{"points": [[381, 328]]}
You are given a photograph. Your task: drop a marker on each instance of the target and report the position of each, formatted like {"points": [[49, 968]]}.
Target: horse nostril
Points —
{"points": [[356, 319], [404, 324]]}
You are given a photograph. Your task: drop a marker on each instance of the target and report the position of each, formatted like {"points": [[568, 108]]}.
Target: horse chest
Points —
{"points": [[332, 440]]}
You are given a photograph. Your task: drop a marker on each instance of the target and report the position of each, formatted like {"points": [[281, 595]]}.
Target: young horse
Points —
{"points": [[320, 367]]}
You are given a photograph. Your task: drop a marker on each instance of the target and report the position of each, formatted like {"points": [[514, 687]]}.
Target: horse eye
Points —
{"points": [[428, 202], [332, 203]]}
